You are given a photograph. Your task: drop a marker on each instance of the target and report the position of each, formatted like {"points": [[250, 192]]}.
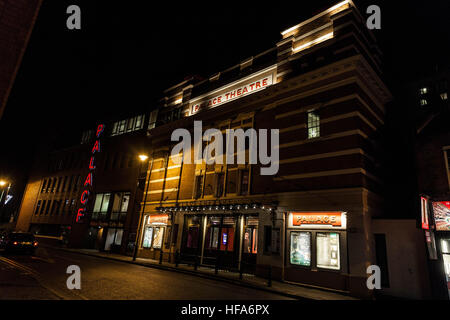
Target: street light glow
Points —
{"points": [[143, 157], [2, 183]]}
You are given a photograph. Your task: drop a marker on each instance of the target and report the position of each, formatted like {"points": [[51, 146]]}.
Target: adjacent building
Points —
{"points": [[429, 99], [103, 180]]}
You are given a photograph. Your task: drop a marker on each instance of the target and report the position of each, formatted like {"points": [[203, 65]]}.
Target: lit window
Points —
{"points": [[444, 96], [115, 128], [423, 90], [122, 126], [138, 124], [423, 102], [130, 124], [313, 125]]}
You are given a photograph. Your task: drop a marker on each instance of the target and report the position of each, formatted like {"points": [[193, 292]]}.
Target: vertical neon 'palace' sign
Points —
{"points": [[88, 182]]}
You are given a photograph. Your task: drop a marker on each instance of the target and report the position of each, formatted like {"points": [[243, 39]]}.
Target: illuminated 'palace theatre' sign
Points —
{"points": [[319, 219], [89, 178], [231, 92]]}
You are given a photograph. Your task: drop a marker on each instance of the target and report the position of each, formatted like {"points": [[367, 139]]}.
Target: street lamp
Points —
{"points": [[2, 184], [142, 158]]}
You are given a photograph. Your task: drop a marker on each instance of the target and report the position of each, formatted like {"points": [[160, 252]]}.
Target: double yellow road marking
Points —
{"points": [[38, 278]]}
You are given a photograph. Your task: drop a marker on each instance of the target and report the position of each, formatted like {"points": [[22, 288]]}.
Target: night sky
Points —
{"points": [[128, 52]]}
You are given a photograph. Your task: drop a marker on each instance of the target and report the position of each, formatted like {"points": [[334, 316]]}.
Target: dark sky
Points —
{"points": [[127, 52]]}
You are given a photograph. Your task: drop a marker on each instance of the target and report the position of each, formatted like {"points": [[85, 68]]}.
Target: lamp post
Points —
{"points": [[142, 158]]}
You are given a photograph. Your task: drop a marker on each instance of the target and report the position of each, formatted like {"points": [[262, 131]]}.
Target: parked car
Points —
{"points": [[20, 242]]}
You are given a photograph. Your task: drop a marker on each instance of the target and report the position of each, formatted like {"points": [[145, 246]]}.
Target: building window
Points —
{"points": [[56, 207], [63, 189], [44, 202], [59, 184], [381, 258], [120, 206], [220, 184], [198, 186], [101, 205], [77, 183], [244, 182], [313, 125], [139, 122], [130, 124], [153, 118], [47, 209], [301, 248], [423, 90], [327, 244], [423, 102], [38, 207], [444, 96], [44, 184]]}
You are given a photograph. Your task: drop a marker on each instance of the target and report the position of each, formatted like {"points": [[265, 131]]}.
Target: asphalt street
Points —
{"points": [[44, 276]]}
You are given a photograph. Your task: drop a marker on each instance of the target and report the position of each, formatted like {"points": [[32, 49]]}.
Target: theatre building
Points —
{"points": [[86, 193], [321, 86]]}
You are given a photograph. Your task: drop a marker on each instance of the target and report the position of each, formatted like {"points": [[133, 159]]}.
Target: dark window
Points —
{"points": [[198, 186], [64, 184], [244, 182], [381, 258], [44, 202], [220, 184], [47, 209], [38, 206], [58, 185], [44, 184], [53, 185]]}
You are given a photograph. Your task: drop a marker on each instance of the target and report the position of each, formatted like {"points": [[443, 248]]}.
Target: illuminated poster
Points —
{"points": [[158, 238], [441, 212], [148, 237], [328, 250], [301, 248]]}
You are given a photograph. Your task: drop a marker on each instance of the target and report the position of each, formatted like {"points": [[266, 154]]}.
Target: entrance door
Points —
{"points": [[192, 237], [220, 241], [250, 244]]}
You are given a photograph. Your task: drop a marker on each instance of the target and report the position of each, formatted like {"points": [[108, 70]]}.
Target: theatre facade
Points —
{"points": [[321, 86]]}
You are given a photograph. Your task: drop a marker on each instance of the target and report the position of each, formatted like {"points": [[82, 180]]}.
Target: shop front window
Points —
{"points": [[227, 234], [328, 250], [251, 235], [212, 233], [158, 234], [301, 248]]}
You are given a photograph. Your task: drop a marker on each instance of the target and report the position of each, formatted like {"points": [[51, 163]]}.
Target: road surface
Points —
{"points": [[43, 276]]}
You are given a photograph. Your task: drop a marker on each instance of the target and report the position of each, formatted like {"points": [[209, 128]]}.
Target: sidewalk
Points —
{"points": [[290, 290]]}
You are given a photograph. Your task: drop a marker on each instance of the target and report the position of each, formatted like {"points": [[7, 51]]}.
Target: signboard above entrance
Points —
{"points": [[318, 220], [232, 91]]}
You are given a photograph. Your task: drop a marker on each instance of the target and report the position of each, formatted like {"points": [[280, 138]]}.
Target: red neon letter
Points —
{"points": [[100, 130], [80, 214], [91, 164], [96, 147], [88, 179], [84, 198]]}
